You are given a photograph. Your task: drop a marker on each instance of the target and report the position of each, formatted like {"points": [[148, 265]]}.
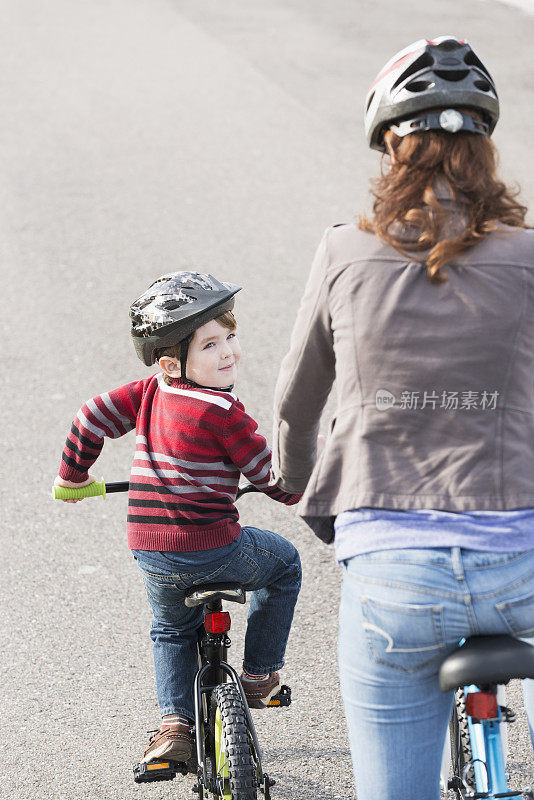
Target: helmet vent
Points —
{"points": [[371, 97], [172, 305], [482, 85], [449, 44], [419, 86], [471, 59], [452, 74], [424, 60]]}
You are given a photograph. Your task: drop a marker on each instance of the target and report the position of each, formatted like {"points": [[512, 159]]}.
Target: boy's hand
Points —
{"points": [[60, 482], [320, 444]]}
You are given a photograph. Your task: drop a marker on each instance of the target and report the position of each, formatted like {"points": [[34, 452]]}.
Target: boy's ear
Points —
{"points": [[170, 366]]}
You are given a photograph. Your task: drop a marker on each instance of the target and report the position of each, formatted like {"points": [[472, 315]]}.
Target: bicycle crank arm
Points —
{"points": [[485, 795], [265, 786]]}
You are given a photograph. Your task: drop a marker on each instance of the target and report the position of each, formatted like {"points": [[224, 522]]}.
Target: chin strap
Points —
{"points": [[213, 388]]}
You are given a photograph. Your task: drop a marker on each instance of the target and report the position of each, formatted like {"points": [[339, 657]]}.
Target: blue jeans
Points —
{"points": [[402, 612], [266, 565]]}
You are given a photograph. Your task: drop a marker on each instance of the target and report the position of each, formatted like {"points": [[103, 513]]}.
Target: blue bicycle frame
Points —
{"points": [[488, 757]]}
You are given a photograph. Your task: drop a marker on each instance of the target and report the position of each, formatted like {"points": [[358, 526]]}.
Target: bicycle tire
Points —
{"points": [[461, 752], [232, 764]]}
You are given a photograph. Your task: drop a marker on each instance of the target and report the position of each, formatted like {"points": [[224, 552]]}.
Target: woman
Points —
{"points": [[424, 315]]}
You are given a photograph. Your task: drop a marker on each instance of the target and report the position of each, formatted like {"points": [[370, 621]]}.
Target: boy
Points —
{"points": [[193, 439]]}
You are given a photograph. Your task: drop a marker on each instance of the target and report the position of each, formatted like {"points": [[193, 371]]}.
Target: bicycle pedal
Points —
{"points": [[282, 698], [158, 771]]}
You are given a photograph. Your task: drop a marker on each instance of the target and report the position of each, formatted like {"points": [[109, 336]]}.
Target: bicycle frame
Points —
{"points": [[213, 671], [214, 667], [488, 757]]}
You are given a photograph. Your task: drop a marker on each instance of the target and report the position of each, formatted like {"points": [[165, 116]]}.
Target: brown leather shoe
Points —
{"points": [[258, 693], [174, 742]]}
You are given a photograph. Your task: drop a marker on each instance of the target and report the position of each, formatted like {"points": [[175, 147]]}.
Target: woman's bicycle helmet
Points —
{"points": [[442, 73], [173, 307]]}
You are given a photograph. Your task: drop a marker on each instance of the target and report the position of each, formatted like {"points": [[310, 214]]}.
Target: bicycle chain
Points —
{"points": [[464, 738]]}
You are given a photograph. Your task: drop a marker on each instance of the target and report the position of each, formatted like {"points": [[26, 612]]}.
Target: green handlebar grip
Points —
{"points": [[91, 490]]}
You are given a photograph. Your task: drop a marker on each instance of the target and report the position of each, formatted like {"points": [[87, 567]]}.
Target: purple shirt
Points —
{"points": [[364, 529]]}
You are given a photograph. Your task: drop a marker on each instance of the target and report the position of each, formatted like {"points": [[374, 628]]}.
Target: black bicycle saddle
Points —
{"points": [[486, 660], [206, 592]]}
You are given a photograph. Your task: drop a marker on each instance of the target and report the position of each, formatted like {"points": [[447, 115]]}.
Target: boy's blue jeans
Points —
{"points": [[265, 564], [402, 612]]}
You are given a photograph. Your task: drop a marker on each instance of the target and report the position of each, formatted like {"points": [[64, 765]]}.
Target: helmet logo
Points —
{"points": [[451, 120]]}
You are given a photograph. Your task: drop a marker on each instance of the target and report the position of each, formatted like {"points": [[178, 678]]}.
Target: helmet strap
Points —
{"points": [[184, 350], [450, 121]]}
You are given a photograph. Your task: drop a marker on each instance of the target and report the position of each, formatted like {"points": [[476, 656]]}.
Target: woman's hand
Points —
{"points": [[70, 485]]}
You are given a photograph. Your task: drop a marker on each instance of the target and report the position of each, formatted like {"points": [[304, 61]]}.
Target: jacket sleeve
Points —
{"points": [[251, 454], [111, 414], [305, 380]]}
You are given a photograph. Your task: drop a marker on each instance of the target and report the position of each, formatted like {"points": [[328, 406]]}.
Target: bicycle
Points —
{"points": [[228, 757], [476, 670]]}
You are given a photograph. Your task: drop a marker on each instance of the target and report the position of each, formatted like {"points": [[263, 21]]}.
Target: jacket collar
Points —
{"points": [[444, 193], [455, 221]]}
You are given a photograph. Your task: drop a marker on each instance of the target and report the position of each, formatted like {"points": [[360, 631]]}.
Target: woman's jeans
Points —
{"points": [[402, 612], [266, 565]]}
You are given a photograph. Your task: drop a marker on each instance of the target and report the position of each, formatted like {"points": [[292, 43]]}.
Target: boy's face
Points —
{"points": [[213, 357]]}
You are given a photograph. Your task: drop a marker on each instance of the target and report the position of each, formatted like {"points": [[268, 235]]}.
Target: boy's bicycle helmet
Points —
{"points": [[174, 306], [442, 73]]}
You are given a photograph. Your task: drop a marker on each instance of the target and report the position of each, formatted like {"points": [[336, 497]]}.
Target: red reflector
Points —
{"points": [[481, 705], [218, 622]]}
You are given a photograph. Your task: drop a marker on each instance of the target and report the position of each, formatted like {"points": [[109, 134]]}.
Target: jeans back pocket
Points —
{"points": [[518, 615], [162, 589], [404, 636]]}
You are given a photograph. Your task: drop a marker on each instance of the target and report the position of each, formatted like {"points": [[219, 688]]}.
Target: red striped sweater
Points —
{"points": [[191, 446]]}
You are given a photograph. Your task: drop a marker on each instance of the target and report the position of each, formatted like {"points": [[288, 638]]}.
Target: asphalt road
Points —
{"points": [[140, 136]]}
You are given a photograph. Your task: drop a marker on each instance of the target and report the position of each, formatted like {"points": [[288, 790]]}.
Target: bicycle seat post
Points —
{"points": [[214, 647]]}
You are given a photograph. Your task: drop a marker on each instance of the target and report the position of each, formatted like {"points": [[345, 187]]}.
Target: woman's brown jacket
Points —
{"points": [[435, 382]]}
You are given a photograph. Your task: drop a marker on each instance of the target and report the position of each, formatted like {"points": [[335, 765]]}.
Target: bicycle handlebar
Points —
{"points": [[98, 488], [246, 488], [69, 493]]}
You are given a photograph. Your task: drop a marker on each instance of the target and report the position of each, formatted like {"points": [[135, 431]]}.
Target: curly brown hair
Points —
{"points": [[407, 213]]}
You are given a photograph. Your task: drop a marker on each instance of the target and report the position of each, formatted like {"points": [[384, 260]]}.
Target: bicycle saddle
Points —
{"points": [[487, 659], [206, 592]]}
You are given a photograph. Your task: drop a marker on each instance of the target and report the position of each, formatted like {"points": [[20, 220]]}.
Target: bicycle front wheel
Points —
{"points": [[233, 768]]}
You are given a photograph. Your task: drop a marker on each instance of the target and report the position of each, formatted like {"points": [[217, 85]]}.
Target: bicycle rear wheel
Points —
{"points": [[461, 753], [233, 767]]}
